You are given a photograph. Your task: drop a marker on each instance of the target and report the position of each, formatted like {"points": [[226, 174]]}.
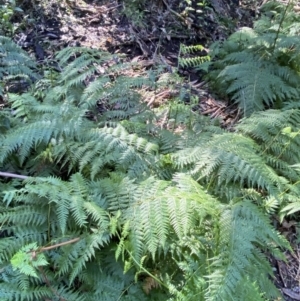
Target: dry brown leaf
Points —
{"points": [[149, 284]]}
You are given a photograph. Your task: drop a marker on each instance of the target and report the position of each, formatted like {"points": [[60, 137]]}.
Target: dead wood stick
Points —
{"points": [[12, 175]]}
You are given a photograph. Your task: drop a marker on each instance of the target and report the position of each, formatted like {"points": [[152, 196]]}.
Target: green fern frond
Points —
{"points": [[192, 61], [230, 158], [244, 34], [259, 68], [165, 211], [103, 146], [231, 266], [184, 49], [87, 252], [14, 63], [254, 87], [273, 130]]}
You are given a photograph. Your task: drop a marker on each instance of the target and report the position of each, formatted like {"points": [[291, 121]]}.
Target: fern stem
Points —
{"points": [[124, 291], [273, 140], [287, 189], [287, 145], [280, 25], [147, 272], [49, 284], [48, 222]]}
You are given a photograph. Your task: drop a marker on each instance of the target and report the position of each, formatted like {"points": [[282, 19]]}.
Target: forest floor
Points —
{"points": [[148, 37]]}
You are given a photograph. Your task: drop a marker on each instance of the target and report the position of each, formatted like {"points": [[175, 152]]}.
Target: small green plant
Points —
{"points": [[7, 11], [28, 260], [15, 65], [257, 68], [134, 10]]}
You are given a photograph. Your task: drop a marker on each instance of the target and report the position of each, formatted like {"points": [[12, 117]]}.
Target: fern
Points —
{"points": [[258, 68], [254, 86], [191, 61], [248, 222], [111, 92], [14, 63], [180, 207]]}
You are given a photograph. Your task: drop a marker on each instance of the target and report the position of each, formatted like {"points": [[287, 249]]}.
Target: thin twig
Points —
{"points": [[46, 280], [59, 244], [12, 175]]}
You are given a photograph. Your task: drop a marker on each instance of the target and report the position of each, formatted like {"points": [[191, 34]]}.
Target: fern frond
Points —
{"points": [[273, 130], [254, 87], [259, 68], [222, 162], [239, 256], [165, 211], [87, 252], [192, 61], [184, 49], [14, 63]]}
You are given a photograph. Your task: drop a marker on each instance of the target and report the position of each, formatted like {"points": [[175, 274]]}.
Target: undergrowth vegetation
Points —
{"points": [[115, 203], [258, 67]]}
